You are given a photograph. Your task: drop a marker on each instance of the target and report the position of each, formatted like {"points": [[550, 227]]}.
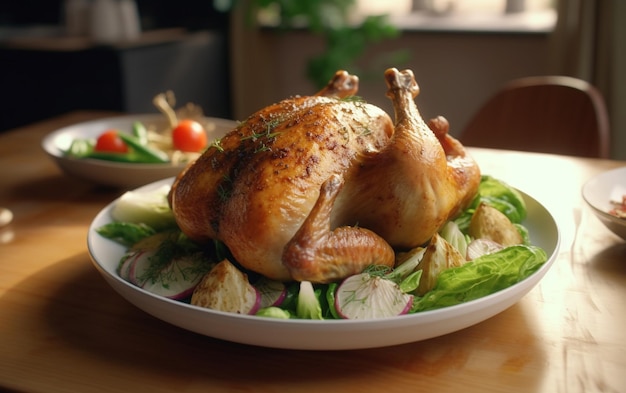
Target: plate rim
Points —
{"points": [[588, 185]]}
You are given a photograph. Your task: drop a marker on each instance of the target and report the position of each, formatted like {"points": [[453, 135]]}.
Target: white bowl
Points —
{"points": [[326, 334], [600, 190], [116, 174]]}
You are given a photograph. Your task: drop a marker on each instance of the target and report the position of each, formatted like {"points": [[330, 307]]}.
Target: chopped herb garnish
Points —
{"points": [[217, 144]]}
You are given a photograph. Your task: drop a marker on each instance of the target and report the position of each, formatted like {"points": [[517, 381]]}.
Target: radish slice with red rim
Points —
{"points": [[272, 292], [178, 278], [364, 296]]}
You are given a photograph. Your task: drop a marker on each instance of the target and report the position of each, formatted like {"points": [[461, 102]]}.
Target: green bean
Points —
{"points": [[117, 157], [149, 154], [140, 132]]}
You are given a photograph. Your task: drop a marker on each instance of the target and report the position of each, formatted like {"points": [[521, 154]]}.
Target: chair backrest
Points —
{"points": [[548, 114]]}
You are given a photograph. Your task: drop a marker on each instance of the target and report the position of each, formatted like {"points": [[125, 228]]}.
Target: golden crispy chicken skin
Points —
{"points": [[317, 188]]}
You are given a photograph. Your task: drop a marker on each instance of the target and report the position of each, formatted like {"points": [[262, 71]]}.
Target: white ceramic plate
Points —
{"points": [[328, 334], [109, 173], [600, 190]]}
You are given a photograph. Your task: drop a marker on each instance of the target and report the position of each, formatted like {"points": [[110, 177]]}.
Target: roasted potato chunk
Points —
{"points": [[489, 223], [439, 256], [226, 288]]}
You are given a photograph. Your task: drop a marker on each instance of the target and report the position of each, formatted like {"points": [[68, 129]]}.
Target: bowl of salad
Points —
{"points": [[605, 194], [136, 246], [132, 150]]}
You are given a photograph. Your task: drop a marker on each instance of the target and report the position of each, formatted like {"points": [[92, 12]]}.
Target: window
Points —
{"points": [[454, 6], [466, 15]]}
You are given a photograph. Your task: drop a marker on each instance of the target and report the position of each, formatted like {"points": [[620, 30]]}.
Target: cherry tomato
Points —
{"points": [[189, 136], [110, 142]]}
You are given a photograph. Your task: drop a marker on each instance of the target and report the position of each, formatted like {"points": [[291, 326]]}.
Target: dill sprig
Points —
{"points": [[267, 133], [353, 98], [217, 144], [266, 137], [175, 245], [377, 270]]}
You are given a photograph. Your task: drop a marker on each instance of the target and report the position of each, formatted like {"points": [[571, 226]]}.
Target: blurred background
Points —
{"points": [[233, 58]]}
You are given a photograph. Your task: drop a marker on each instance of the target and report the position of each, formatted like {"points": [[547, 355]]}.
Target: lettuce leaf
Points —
{"points": [[499, 195], [126, 233], [481, 277]]}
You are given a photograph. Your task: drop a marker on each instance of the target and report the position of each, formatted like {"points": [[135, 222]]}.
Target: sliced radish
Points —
{"points": [[165, 265], [226, 288], [124, 267], [479, 247], [364, 296], [177, 279], [272, 292], [139, 266]]}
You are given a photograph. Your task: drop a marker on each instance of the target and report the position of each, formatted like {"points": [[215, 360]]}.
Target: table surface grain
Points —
{"points": [[63, 329]]}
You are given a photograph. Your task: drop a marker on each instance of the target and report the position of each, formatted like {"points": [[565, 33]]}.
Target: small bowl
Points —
{"points": [[116, 174], [600, 190]]}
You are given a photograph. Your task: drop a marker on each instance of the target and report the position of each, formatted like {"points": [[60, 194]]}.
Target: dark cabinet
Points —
{"points": [[40, 78]]}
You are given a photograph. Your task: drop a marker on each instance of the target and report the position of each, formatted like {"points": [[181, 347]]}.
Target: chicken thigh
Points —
{"points": [[317, 188]]}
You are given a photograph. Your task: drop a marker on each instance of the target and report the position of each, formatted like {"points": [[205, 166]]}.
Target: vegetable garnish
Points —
{"points": [[179, 142], [226, 288], [147, 153], [364, 296], [619, 208], [455, 267], [150, 208], [273, 293], [308, 306], [189, 136], [126, 233], [114, 145], [166, 264], [499, 195], [110, 142], [483, 276]]}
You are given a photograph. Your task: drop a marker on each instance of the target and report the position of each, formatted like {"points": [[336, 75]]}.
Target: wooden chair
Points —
{"points": [[548, 114]]}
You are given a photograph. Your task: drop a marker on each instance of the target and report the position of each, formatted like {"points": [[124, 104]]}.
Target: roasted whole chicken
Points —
{"points": [[317, 188]]}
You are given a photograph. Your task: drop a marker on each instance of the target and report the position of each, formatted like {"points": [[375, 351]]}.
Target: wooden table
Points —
{"points": [[63, 329]]}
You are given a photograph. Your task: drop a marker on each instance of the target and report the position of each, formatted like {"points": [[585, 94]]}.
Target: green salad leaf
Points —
{"points": [[481, 277], [126, 233], [498, 194], [502, 196]]}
